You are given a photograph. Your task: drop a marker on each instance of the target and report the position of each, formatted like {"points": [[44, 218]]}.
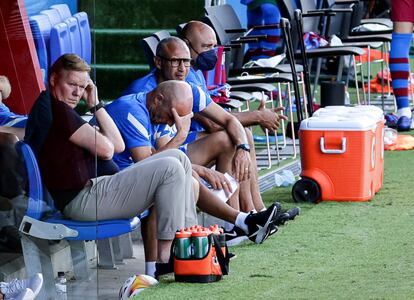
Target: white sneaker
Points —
{"points": [[16, 287], [26, 294]]}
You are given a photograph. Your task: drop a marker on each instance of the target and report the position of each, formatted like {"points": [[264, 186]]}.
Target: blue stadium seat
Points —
{"points": [[85, 34], [43, 223], [40, 26], [63, 10], [53, 15], [59, 41], [74, 35]]}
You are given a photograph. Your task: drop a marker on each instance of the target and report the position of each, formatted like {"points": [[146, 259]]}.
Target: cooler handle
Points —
{"points": [[333, 151]]}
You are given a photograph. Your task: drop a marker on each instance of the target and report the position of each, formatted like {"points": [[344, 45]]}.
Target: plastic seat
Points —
{"points": [[160, 35], [40, 26], [53, 15], [63, 10], [85, 35], [59, 41], [74, 35], [92, 230], [43, 223], [150, 47]]}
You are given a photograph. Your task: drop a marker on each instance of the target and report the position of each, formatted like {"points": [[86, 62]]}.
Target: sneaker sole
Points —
{"points": [[263, 232]]}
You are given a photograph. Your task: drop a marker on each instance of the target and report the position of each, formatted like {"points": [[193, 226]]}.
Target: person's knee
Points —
{"points": [[181, 157], [224, 141]]}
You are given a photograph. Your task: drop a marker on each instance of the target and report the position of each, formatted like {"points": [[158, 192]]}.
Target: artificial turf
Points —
{"points": [[333, 250]]}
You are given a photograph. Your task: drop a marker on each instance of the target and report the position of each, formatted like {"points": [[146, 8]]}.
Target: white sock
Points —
{"points": [[228, 226], [253, 211], [405, 111], [240, 221], [150, 268], [263, 209]]}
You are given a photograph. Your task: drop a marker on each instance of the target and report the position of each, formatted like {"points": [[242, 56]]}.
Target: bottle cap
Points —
{"points": [[182, 234], [199, 232]]}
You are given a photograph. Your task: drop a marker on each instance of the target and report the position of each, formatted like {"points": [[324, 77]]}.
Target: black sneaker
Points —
{"points": [[232, 256], [293, 212], [235, 236], [283, 215], [163, 269], [258, 224]]}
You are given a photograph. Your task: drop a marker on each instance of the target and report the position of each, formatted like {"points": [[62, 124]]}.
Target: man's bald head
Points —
{"points": [[201, 39], [170, 94], [195, 29], [172, 59], [165, 46]]}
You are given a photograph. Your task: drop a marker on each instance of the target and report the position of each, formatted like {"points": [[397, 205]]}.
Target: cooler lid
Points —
{"points": [[370, 111], [345, 123]]}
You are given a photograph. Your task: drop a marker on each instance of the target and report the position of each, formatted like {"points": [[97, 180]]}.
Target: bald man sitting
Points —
{"points": [[144, 120]]}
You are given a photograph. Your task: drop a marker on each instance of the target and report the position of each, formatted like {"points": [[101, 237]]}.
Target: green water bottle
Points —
{"points": [[182, 244], [199, 240]]}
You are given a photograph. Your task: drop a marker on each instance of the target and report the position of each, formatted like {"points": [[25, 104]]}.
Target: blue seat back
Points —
{"points": [[85, 35], [59, 41], [149, 45], [40, 26], [74, 35], [36, 205], [53, 15], [160, 35], [92, 230], [63, 10]]}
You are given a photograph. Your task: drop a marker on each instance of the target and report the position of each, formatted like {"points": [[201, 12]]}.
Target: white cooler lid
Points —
{"points": [[349, 111], [344, 123]]}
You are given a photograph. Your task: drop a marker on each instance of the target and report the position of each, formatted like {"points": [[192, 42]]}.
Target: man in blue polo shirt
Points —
{"points": [[143, 120], [173, 61]]}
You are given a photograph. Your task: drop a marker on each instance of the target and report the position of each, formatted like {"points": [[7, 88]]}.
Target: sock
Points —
{"points": [[263, 209], [253, 211], [150, 268], [240, 221], [400, 68], [228, 226], [405, 111]]}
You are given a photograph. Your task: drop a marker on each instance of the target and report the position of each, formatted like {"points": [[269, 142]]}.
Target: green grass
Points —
{"points": [[332, 251]]}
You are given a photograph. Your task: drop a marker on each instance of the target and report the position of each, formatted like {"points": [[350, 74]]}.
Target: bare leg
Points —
{"points": [[403, 27], [164, 247], [149, 233], [254, 179], [250, 197], [212, 205]]}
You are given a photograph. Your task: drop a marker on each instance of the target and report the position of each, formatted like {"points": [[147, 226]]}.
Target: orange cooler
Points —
{"points": [[370, 111], [378, 115], [338, 158]]}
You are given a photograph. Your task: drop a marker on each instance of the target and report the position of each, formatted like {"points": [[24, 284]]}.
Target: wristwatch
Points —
{"points": [[97, 107], [244, 147]]}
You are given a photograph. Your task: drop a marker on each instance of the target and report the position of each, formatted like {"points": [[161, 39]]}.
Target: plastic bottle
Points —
{"points": [[182, 246], [61, 286], [199, 240]]}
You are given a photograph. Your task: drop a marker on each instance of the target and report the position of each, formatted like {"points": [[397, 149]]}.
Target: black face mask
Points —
{"points": [[207, 60]]}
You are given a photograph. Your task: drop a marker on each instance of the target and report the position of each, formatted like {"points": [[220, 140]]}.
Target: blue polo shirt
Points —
{"points": [[8, 118], [132, 118]]}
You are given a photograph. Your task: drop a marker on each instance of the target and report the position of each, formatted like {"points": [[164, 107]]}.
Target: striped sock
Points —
{"points": [[400, 70]]}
